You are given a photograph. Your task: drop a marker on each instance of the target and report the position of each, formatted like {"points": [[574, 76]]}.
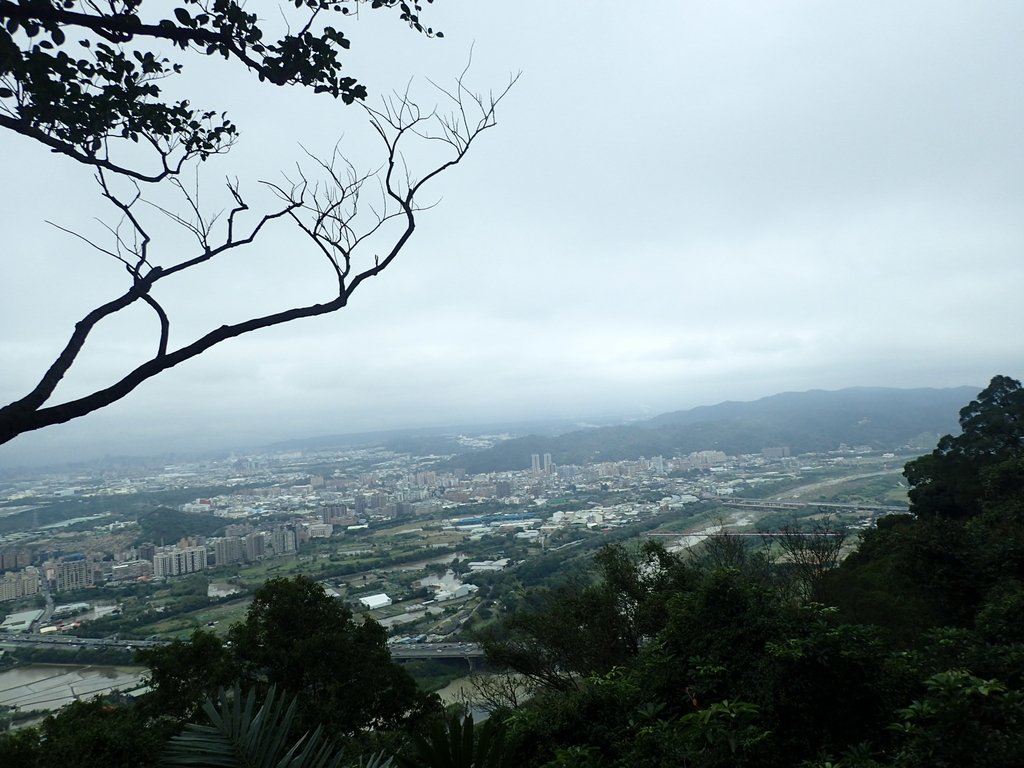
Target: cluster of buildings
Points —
{"points": [[67, 573], [274, 505], [380, 486], [62, 575]]}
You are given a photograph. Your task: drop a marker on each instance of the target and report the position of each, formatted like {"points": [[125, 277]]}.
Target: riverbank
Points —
{"points": [[51, 686]]}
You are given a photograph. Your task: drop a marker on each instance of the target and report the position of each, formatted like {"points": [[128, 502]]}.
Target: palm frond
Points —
{"points": [[242, 735], [456, 743]]}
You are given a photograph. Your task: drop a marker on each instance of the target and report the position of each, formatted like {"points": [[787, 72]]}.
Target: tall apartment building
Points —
{"points": [[74, 572], [254, 546], [331, 512], [177, 561], [229, 550], [535, 463], [707, 458], [548, 465], [163, 564], [282, 540], [426, 479], [13, 559], [18, 584]]}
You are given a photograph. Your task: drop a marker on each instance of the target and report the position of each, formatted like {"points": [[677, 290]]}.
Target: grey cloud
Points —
{"points": [[682, 203]]}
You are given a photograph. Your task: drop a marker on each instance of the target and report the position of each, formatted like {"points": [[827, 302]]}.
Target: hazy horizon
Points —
{"points": [[93, 450]]}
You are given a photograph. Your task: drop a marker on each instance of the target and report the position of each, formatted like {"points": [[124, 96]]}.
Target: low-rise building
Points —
{"points": [[375, 601], [20, 622], [131, 570]]}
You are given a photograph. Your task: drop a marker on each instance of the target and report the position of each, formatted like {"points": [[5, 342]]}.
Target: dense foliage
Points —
{"points": [[307, 644], [916, 661], [336, 670], [81, 76], [164, 525]]}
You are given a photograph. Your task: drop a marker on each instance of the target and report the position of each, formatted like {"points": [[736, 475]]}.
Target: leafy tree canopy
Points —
{"points": [[166, 525], [78, 76], [93, 734], [183, 674], [306, 643], [951, 481], [555, 637]]}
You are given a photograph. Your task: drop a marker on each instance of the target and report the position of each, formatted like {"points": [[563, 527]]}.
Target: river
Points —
{"points": [[51, 686], [463, 691]]}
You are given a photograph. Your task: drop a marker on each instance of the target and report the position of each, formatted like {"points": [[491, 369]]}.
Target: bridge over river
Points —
{"points": [[769, 505]]}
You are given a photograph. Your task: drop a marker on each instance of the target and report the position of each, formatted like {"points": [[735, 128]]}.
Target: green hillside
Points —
{"points": [[166, 526], [806, 422]]}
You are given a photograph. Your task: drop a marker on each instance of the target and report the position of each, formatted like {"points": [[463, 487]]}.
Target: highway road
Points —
{"points": [[437, 651], [401, 651], [69, 641]]}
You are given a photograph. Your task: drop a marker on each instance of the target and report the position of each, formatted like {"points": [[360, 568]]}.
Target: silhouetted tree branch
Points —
{"points": [[330, 212], [812, 554]]}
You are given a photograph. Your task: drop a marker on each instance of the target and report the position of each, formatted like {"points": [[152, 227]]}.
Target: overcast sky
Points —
{"points": [[683, 203]]}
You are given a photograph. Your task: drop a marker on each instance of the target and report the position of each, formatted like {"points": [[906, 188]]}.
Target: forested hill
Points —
{"points": [[818, 420]]}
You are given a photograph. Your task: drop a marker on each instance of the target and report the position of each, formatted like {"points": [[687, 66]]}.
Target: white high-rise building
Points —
{"points": [[175, 561]]}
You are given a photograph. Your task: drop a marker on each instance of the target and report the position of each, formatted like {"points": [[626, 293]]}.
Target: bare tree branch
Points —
{"points": [[330, 214], [90, 158], [812, 554]]}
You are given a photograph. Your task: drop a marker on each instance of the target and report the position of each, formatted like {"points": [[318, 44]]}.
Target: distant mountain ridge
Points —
{"points": [[422, 440], [805, 422]]}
